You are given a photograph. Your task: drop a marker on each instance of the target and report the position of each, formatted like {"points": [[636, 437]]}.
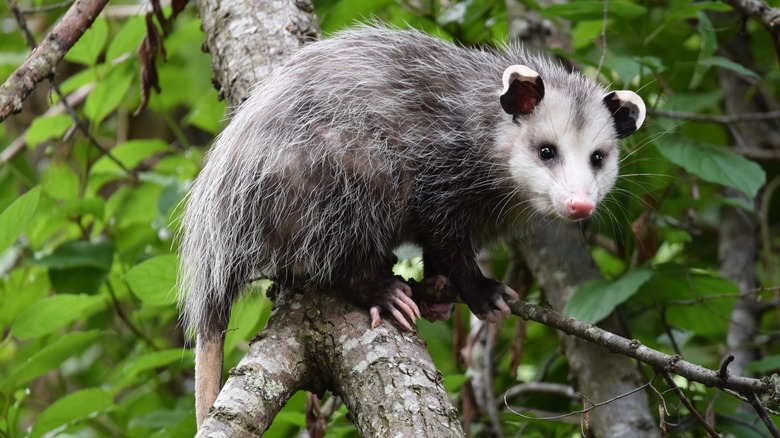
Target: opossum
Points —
{"points": [[377, 137]]}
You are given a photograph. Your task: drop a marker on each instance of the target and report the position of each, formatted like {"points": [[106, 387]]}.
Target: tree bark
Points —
{"points": [[314, 340], [560, 262], [247, 39]]}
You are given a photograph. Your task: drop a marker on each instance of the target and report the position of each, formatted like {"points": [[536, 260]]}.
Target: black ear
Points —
{"points": [[523, 90], [628, 111]]}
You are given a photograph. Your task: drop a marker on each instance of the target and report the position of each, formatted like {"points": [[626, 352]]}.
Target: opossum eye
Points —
{"points": [[597, 159], [547, 152]]}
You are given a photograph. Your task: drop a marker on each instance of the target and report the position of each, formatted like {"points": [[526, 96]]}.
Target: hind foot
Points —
{"points": [[398, 302]]}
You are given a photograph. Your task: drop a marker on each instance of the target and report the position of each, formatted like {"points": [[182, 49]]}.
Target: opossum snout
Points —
{"points": [[579, 207]]}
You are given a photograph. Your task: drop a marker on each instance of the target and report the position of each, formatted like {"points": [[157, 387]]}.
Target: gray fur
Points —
{"points": [[339, 155]]}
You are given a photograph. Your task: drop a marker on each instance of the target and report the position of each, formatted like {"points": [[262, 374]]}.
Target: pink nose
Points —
{"points": [[579, 207]]}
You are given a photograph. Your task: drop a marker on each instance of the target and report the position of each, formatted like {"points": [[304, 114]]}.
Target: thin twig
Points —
{"points": [[136, 331], [762, 413], [589, 408], [603, 37], [41, 63], [688, 405], [615, 343], [22, 23]]}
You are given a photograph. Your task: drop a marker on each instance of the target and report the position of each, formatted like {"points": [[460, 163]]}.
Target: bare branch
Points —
{"points": [[764, 415], [688, 405], [64, 102], [43, 60], [589, 405]]}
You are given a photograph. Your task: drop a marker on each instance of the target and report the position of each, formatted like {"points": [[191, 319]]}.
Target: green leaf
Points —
{"points": [[130, 372], [108, 94], [52, 313], [208, 112], [674, 283], [719, 61], [47, 128], [453, 382], [245, 317], [691, 10], [79, 266], [154, 281], [88, 47], [709, 43], [127, 39], [60, 182], [713, 163], [80, 253], [79, 405], [596, 299], [52, 356], [334, 18], [17, 216], [765, 365], [130, 154], [593, 10]]}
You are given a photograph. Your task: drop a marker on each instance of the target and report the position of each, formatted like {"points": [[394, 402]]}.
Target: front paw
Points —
{"points": [[487, 299]]}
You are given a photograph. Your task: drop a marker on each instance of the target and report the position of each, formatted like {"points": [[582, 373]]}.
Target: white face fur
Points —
{"points": [[563, 155], [557, 164]]}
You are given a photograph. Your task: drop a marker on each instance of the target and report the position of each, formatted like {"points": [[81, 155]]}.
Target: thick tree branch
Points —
{"points": [[314, 340], [42, 62], [247, 39]]}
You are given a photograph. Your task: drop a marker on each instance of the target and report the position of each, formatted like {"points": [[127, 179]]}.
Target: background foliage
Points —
{"points": [[90, 342]]}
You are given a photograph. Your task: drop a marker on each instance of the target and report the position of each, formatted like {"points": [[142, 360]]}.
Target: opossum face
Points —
{"points": [[562, 142]]}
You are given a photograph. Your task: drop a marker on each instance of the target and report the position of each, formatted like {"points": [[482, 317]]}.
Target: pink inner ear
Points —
{"points": [[529, 104]]}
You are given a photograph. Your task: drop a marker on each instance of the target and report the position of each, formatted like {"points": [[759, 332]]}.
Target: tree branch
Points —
{"points": [[42, 62], [768, 17], [315, 340]]}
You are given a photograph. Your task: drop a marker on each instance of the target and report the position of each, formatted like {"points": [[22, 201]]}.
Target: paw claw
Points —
{"points": [[375, 319], [397, 301], [510, 293], [401, 320], [503, 309]]}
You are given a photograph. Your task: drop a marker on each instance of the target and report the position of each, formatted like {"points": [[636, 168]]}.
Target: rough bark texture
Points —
{"points": [[42, 62], [247, 39], [275, 367], [738, 231], [315, 341], [386, 377], [560, 262]]}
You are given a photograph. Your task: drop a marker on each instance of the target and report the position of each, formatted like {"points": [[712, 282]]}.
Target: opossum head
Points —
{"points": [[562, 140]]}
